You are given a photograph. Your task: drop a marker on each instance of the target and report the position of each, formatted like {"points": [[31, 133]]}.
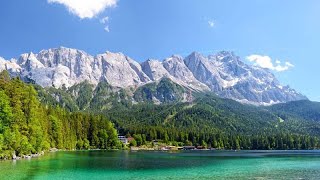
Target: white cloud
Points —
{"points": [[266, 62], [104, 20], [289, 64], [211, 23], [107, 29], [86, 8]]}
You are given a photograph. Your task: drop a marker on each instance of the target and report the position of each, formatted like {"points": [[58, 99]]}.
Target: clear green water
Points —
{"points": [[167, 165]]}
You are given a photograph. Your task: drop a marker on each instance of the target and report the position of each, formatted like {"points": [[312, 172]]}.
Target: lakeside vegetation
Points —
{"points": [[35, 119], [208, 121], [233, 142], [27, 126]]}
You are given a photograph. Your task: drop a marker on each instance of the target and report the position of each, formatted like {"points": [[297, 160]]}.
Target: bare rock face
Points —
{"points": [[66, 67], [222, 73], [229, 77], [11, 66], [178, 69], [154, 70], [120, 71]]}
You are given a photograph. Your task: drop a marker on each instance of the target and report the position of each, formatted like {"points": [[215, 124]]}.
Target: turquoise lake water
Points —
{"points": [[167, 165]]}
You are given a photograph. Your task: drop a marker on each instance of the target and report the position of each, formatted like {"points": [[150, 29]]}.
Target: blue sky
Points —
{"points": [[272, 30]]}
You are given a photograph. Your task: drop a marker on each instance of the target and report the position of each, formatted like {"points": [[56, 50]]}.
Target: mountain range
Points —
{"points": [[194, 100], [223, 73]]}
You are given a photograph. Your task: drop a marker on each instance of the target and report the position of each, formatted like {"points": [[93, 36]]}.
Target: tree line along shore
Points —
{"points": [[29, 128]]}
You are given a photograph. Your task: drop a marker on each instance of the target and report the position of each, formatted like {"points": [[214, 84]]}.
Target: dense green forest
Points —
{"points": [[206, 121], [28, 126], [216, 123], [33, 119]]}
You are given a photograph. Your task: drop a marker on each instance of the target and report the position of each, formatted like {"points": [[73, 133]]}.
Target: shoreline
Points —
{"points": [[135, 149]]}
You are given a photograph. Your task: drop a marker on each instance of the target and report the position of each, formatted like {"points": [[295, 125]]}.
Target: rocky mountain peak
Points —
{"points": [[222, 73], [154, 69]]}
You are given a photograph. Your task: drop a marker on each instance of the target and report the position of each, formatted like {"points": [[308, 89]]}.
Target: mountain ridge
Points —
{"points": [[223, 73]]}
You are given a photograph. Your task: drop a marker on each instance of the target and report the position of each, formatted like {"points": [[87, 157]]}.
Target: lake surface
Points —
{"points": [[167, 165]]}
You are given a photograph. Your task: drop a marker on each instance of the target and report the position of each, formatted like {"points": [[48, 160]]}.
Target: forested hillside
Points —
{"points": [[300, 109], [33, 119], [27, 126], [207, 120], [218, 123]]}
